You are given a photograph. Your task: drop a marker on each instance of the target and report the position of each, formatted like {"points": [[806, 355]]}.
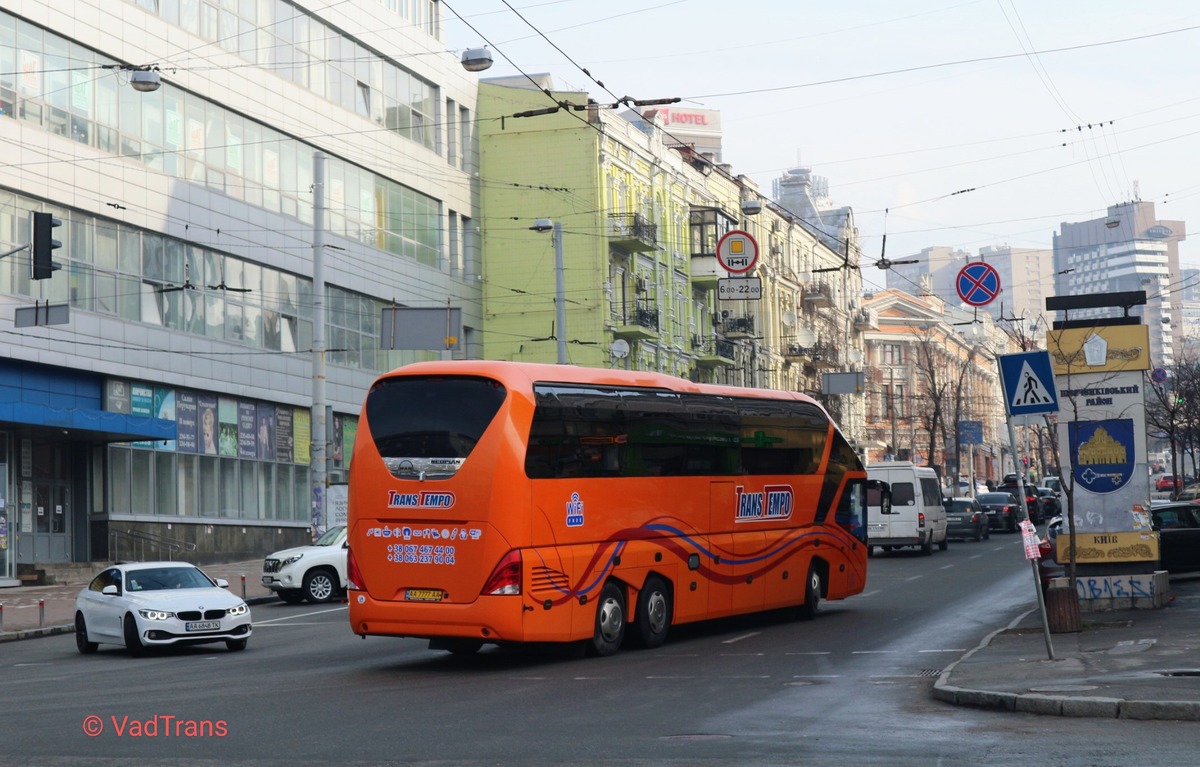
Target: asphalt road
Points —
{"points": [[851, 688]]}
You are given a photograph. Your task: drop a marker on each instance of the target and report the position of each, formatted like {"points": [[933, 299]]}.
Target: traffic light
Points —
{"points": [[44, 245]]}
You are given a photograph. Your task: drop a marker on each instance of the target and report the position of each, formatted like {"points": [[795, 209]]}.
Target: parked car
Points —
{"points": [[1048, 565], [1032, 500], [965, 489], [1178, 526], [1191, 493], [1003, 510], [1167, 482], [965, 518], [316, 573], [1055, 484], [1049, 504], [148, 604]]}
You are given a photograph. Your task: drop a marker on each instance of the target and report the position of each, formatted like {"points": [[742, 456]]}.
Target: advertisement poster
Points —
{"points": [[247, 430], [302, 436], [265, 442], [185, 421], [164, 408], [283, 434], [141, 402], [206, 418], [227, 421], [349, 431]]}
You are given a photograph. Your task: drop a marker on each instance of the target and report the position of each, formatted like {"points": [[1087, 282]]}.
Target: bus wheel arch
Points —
{"points": [[609, 627], [655, 608]]}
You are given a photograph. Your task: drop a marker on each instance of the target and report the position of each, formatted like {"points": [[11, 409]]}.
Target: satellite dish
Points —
{"points": [[789, 319], [805, 337], [619, 348], [855, 356]]}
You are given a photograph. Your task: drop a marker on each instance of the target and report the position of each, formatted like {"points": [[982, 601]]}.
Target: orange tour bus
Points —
{"points": [[505, 502]]}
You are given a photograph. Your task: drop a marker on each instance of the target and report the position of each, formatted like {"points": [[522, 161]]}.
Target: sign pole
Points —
{"points": [[1037, 580]]}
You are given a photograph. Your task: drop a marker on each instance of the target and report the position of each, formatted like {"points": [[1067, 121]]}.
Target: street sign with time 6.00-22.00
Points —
{"points": [[734, 288]]}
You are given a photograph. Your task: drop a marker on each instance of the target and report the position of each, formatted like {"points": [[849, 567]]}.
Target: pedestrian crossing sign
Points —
{"points": [[1028, 383]]}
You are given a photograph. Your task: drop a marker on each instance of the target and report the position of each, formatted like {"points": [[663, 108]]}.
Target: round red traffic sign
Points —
{"points": [[978, 283], [737, 252]]}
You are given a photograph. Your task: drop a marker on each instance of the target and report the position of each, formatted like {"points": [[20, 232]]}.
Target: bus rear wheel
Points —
{"points": [[653, 612], [610, 621]]}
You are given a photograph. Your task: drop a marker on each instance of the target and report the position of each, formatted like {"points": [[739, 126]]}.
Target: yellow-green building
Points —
{"points": [[640, 218]]}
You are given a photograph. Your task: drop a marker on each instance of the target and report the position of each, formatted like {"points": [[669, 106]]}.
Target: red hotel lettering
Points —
{"points": [[690, 119]]}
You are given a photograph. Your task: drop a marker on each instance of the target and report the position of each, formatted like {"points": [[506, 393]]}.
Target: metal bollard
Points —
{"points": [[41, 613], [1, 616], [243, 588]]}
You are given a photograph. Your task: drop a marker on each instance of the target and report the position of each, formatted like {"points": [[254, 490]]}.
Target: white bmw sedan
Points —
{"points": [[147, 604]]}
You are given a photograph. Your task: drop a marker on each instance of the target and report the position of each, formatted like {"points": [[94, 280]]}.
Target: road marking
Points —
{"points": [[913, 578], [817, 676], [741, 655], [303, 615], [945, 567], [869, 593], [744, 636], [872, 652], [949, 649], [808, 653]]}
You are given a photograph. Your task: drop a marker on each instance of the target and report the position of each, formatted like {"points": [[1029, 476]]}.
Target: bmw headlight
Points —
{"points": [[156, 615], [291, 560], [234, 612]]}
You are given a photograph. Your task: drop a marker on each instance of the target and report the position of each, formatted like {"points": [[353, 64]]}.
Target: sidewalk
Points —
{"points": [[1125, 664], [32, 611]]}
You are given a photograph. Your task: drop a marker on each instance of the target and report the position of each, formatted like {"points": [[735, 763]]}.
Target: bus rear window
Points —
{"points": [[426, 426]]}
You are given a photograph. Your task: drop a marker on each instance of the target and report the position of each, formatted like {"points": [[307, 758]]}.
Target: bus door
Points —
{"points": [[734, 549]]}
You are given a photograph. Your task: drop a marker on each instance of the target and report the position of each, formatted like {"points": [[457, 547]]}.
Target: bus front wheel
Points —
{"points": [[653, 612], [610, 621], [812, 594]]}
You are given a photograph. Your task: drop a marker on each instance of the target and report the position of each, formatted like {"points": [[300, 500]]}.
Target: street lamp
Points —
{"points": [[560, 309], [476, 59]]}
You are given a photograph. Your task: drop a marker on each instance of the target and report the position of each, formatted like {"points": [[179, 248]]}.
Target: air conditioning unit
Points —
{"points": [[642, 285]]}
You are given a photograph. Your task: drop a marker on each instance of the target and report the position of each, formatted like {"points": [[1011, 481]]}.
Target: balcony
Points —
{"points": [[866, 319], [737, 327], [819, 295], [821, 356], [639, 322], [632, 232], [714, 352]]}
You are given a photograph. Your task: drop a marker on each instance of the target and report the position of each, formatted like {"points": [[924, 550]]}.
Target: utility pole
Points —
{"points": [[317, 469]]}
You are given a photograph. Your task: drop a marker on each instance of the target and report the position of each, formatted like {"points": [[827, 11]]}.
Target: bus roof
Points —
{"points": [[524, 375]]}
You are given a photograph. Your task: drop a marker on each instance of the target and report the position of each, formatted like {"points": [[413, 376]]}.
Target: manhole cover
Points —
{"points": [[1065, 688]]}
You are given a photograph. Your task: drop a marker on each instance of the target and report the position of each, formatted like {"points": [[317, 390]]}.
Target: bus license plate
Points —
{"points": [[423, 595], [203, 626]]}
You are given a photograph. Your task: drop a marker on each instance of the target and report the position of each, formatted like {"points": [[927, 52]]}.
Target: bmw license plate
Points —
{"points": [[203, 626], [423, 595]]}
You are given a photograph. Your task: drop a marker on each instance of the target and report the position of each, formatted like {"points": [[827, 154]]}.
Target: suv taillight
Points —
{"points": [[506, 578], [920, 519]]}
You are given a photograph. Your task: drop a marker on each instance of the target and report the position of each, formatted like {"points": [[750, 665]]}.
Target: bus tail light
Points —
{"points": [[354, 579], [506, 578], [920, 519]]}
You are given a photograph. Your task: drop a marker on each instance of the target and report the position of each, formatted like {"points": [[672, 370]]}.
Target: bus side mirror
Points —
{"points": [[885, 494]]}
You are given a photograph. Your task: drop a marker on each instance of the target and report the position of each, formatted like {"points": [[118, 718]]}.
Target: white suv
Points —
{"points": [[316, 573]]}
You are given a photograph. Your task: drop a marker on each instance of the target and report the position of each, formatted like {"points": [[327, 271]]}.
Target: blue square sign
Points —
{"points": [[1029, 387]]}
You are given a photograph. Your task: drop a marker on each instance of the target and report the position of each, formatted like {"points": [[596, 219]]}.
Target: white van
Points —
{"points": [[917, 517]]}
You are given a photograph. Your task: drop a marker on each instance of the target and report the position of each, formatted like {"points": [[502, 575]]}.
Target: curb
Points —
{"points": [[1058, 705]]}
